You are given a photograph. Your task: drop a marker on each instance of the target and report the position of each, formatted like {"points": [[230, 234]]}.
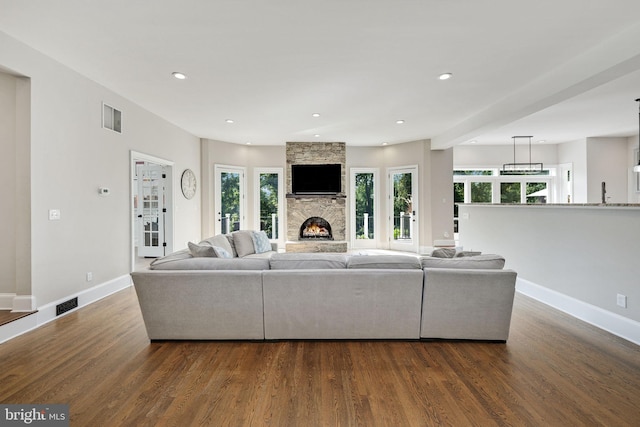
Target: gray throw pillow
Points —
{"points": [[198, 251], [243, 242], [444, 253], [221, 252]]}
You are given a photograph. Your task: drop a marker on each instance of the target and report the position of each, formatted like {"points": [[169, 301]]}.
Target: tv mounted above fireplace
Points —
{"points": [[316, 179]]}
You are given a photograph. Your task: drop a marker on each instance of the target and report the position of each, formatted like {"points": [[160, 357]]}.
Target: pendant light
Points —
{"points": [[636, 168], [521, 168]]}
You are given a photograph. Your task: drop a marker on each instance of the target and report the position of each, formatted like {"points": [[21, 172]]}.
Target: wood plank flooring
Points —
{"points": [[553, 371]]}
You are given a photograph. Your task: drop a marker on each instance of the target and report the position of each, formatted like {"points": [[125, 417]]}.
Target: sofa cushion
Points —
{"points": [[211, 263], [201, 250], [489, 261], [384, 261], [220, 241], [298, 261], [261, 243], [243, 242]]}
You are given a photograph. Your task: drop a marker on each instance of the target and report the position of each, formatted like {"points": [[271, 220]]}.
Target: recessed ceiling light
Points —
{"points": [[385, 143], [542, 141], [399, 122], [229, 121], [317, 135], [445, 76], [179, 75], [473, 142], [248, 143], [315, 115]]}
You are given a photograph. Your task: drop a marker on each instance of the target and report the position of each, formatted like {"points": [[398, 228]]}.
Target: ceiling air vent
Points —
{"points": [[111, 118]]}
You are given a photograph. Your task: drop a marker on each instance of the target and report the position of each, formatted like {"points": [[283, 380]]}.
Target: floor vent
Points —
{"points": [[66, 306]]}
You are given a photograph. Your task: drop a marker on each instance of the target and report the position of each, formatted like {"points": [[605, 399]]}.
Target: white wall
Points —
{"points": [[71, 156], [583, 256], [495, 156], [8, 187], [575, 153], [606, 162]]}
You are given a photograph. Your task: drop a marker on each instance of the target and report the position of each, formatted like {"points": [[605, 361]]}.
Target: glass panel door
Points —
{"points": [[270, 202], [151, 210], [403, 184], [229, 200], [364, 233]]}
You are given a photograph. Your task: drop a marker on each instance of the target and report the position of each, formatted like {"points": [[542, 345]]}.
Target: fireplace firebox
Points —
{"points": [[315, 228]]}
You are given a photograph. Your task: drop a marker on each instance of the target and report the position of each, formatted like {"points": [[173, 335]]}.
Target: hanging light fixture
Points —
{"points": [[636, 168], [521, 168]]}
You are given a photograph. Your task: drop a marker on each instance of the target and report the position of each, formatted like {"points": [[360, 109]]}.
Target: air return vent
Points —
{"points": [[111, 118], [66, 306]]}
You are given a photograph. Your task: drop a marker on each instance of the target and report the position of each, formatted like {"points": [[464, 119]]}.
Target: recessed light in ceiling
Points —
{"points": [[542, 141], [473, 142], [445, 76], [317, 135], [228, 121], [178, 75], [399, 122], [315, 115], [385, 143], [247, 143]]}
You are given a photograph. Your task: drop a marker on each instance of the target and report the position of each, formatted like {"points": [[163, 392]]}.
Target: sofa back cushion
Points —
{"points": [[489, 261], [384, 261], [299, 261]]}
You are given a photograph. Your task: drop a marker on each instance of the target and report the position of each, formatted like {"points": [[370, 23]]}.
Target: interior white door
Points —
{"points": [[151, 210], [229, 199], [403, 206]]}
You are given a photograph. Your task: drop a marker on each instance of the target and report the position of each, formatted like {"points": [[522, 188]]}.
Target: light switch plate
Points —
{"points": [[54, 214]]}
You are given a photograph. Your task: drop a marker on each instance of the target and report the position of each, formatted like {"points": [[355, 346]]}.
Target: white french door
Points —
{"points": [[403, 208], [151, 210], [229, 199], [364, 208]]}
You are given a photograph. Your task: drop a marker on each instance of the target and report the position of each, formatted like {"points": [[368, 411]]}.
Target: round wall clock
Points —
{"points": [[188, 183]]}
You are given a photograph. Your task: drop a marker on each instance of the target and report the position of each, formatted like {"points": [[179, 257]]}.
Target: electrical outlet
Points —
{"points": [[622, 300], [89, 276], [54, 214]]}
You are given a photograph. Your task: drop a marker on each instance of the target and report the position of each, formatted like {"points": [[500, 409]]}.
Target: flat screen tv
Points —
{"points": [[316, 179]]}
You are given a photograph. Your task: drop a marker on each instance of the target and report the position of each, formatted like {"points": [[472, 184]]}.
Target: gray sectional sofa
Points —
{"points": [[273, 296]]}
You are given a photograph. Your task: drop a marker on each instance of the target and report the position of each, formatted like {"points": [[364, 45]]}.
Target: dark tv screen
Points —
{"points": [[316, 179]]}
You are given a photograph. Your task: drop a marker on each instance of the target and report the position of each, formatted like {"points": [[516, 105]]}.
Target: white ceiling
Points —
{"points": [[557, 70]]}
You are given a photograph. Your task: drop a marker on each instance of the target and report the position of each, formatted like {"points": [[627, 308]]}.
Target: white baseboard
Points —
{"points": [[24, 303], [611, 322], [47, 312], [6, 301]]}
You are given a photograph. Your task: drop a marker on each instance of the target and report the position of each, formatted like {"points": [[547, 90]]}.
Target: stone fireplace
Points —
{"points": [[316, 222]]}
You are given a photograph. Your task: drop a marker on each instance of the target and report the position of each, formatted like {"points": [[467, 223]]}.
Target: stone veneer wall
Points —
{"points": [[331, 208]]}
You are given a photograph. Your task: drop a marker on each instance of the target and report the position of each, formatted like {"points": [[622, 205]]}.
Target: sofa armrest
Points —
{"points": [[470, 304]]}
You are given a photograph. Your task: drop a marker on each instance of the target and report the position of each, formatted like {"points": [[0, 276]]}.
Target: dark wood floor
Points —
{"points": [[554, 371]]}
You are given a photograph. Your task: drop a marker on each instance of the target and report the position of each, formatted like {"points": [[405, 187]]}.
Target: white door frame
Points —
{"points": [[364, 243], [412, 244], [169, 218], [217, 200]]}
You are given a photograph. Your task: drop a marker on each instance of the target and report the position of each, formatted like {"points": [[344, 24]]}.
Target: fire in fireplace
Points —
{"points": [[316, 228]]}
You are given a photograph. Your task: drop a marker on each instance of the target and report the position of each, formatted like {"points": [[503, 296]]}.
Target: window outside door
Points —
{"points": [[270, 202]]}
